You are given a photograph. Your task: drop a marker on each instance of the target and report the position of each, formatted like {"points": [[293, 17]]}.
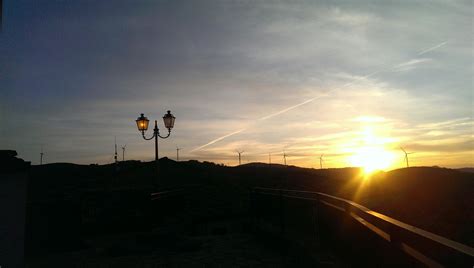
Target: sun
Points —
{"points": [[372, 159], [369, 149]]}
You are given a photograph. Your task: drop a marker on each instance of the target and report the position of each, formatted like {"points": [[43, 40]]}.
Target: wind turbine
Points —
{"points": [[123, 152], [269, 158], [406, 155], [41, 155], [321, 161], [284, 157], [177, 153], [240, 154]]}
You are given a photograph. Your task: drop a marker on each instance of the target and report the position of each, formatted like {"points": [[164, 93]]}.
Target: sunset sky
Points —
{"points": [[345, 79]]}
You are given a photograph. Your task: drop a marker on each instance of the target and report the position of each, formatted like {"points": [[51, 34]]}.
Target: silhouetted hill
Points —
{"points": [[262, 165], [471, 170], [10, 162], [439, 200], [436, 199]]}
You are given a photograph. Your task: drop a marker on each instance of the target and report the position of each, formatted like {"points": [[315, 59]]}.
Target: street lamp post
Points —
{"points": [[142, 125]]}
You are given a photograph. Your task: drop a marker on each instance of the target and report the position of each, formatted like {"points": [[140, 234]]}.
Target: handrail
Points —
{"points": [[183, 188], [158, 194], [370, 223]]}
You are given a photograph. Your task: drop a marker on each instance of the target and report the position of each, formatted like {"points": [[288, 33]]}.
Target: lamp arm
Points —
{"points": [[164, 137], [143, 135]]}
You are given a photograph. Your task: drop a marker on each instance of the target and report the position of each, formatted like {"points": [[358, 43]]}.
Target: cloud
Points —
{"points": [[369, 119], [447, 146], [306, 69], [404, 66], [447, 123]]}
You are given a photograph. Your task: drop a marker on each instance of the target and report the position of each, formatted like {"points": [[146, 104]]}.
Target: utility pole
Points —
{"points": [[41, 155], [177, 153]]}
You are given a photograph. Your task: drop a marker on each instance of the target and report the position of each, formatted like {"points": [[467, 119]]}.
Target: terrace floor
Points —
{"points": [[217, 245]]}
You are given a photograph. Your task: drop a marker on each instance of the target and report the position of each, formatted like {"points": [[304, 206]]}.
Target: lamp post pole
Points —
{"points": [[156, 134], [142, 124]]}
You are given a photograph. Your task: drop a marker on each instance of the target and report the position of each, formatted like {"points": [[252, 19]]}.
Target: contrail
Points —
{"points": [[313, 99], [287, 109], [284, 111], [218, 139], [432, 48], [317, 97], [281, 112]]}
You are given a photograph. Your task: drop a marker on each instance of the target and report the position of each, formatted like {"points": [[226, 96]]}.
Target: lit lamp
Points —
{"points": [[142, 125]]}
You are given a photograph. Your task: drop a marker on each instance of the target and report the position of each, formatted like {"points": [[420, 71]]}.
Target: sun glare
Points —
{"points": [[370, 154], [371, 159]]}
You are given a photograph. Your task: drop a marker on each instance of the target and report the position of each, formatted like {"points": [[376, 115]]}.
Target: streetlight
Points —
{"points": [[142, 124]]}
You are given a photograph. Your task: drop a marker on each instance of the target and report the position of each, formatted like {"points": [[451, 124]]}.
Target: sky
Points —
{"points": [[339, 78]]}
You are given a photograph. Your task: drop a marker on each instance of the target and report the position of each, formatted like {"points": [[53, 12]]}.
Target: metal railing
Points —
{"points": [[173, 192], [312, 219]]}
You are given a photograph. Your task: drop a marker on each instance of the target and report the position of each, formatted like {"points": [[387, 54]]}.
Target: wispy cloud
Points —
{"points": [[447, 123], [369, 119], [408, 65], [258, 77]]}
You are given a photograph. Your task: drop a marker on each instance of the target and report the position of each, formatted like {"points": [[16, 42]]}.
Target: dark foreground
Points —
{"points": [[104, 216], [197, 227]]}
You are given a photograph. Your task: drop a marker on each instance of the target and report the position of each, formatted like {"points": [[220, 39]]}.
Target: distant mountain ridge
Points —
{"points": [[439, 200], [466, 169]]}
